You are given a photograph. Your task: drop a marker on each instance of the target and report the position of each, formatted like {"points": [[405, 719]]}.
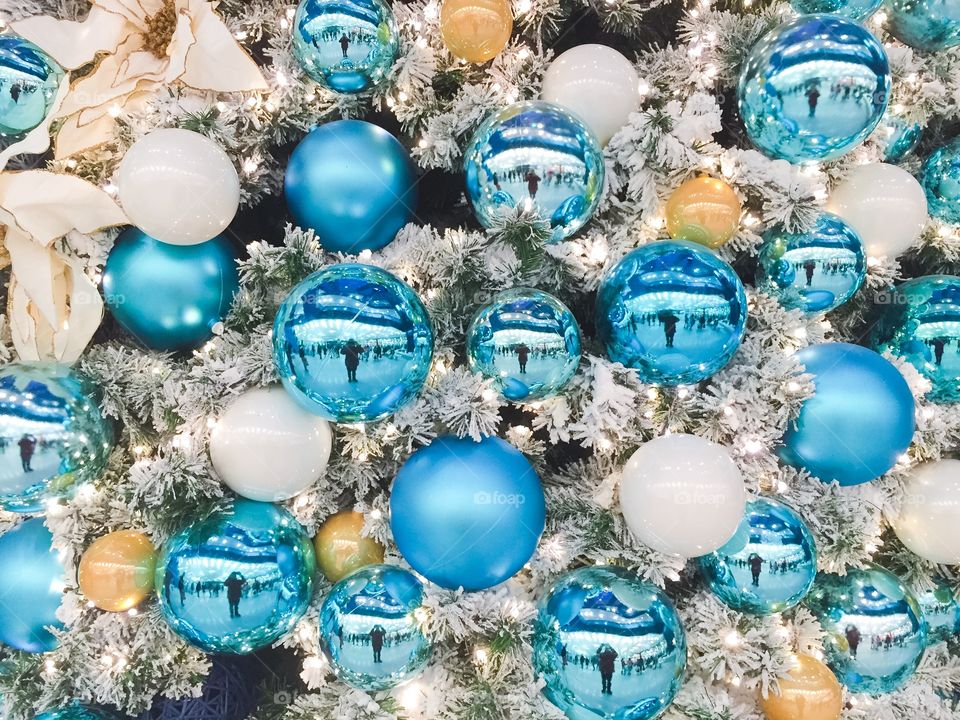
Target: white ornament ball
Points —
{"points": [[929, 520], [598, 84], [683, 495], [266, 447], [178, 186]]}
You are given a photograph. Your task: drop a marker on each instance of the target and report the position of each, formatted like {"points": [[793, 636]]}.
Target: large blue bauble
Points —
{"points": [[902, 137], [352, 343], [467, 514], [52, 434], [925, 24], [353, 184], [539, 156], [875, 631], [859, 420], [941, 182], [29, 79], [941, 612], [768, 565], [853, 9], [672, 310], [608, 646], [238, 580], [368, 628], [75, 712], [813, 88]]}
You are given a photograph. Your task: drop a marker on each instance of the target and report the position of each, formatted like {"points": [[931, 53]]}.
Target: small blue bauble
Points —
{"points": [[75, 712], [230, 691], [482, 503], [941, 182], [814, 271], [853, 9], [352, 343], [52, 435], [608, 646], [813, 88], [925, 24], [29, 80], [345, 45], [238, 580], [902, 137], [368, 628], [535, 155], [875, 632], [859, 420], [353, 184], [768, 565], [941, 611], [673, 311]]}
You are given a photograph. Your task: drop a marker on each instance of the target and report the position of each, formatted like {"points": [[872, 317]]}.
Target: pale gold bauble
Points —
{"points": [[341, 548], [704, 210], [116, 571], [811, 692], [476, 30]]}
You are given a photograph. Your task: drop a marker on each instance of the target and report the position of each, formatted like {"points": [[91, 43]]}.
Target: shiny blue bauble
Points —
{"points": [[76, 712], [815, 271], [941, 182], [768, 565], [169, 297], [29, 80], [237, 580], [538, 156], [467, 514], [353, 184], [352, 343], [813, 88], [859, 420], [902, 137], [608, 646], [31, 587], [941, 611], [369, 630], [527, 341], [875, 631], [52, 435], [925, 24], [673, 311], [853, 9]]}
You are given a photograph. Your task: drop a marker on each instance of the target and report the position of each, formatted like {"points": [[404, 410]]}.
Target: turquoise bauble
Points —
{"points": [[902, 137], [925, 24], [941, 611], [813, 88], [538, 156], [52, 435], [853, 9], [608, 646], [29, 80], [875, 631], [941, 182], [76, 712], [369, 630], [238, 580]]}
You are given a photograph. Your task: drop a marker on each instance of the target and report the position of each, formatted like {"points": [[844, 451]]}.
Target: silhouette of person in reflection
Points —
{"points": [[167, 582], [808, 267], [340, 636], [563, 655], [756, 562], [523, 354], [853, 639], [182, 588], [351, 358], [607, 663], [376, 642], [234, 583], [813, 97], [669, 321], [533, 183], [28, 444], [344, 45], [938, 345]]}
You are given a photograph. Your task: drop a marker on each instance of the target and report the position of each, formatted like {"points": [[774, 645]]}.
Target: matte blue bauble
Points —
{"points": [[353, 184], [608, 646], [859, 420], [169, 297], [768, 565], [673, 311], [875, 632], [902, 137], [238, 580], [539, 156], [31, 587], [29, 79], [467, 514], [230, 691], [76, 712], [352, 343], [813, 88], [369, 631], [925, 24], [52, 434], [941, 182], [941, 612], [815, 271], [853, 9]]}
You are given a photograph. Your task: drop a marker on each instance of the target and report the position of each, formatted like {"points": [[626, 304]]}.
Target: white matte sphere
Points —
{"points": [[178, 186], [266, 447], [683, 495], [885, 204], [597, 83], [929, 520]]}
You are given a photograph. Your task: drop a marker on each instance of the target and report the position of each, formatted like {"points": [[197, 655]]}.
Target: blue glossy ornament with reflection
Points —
{"points": [[539, 156], [467, 514], [76, 712], [925, 24], [813, 88], [853, 9], [369, 630], [673, 311], [875, 631], [941, 611], [608, 646], [29, 80], [815, 271], [237, 580], [940, 178], [352, 343], [902, 137]]}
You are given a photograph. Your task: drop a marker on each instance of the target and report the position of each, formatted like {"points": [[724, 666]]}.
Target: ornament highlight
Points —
{"points": [[810, 692], [853, 9], [29, 81], [901, 137], [116, 571], [342, 547], [928, 25], [940, 178], [476, 30], [929, 519], [704, 210]]}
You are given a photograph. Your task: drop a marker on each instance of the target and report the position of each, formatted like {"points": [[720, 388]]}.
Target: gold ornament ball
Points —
{"points": [[116, 571], [476, 30], [341, 548], [704, 210], [811, 692]]}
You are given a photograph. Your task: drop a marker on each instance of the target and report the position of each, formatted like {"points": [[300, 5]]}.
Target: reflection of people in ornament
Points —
{"points": [[340, 635], [853, 639], [182, 589], [376, 642], [351, 358], [669, 321], [607, 661], [523, 354], [28, 444], [234, 584], [813, 96], [808, 267], [563, 655], [344, 44], [167, 582], [938, 345], [756, 563], [533, 183]]}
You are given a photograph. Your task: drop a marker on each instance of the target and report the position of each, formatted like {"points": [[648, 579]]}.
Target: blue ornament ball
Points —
{"points": [[538, 156], [673, 311], [853, 9], [902, 137], [815, 271], [369, 630], [353, 184], [29, 80], [940, 178], [859, 420], [352, 343], [925, 24], [608, 646], [467, 514], [237, 580], [813, 88], [76, 712], [941, 612], [229, 692], [768, 565], [875, 631]]}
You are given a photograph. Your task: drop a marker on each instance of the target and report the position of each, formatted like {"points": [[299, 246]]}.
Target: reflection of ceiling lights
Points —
{"points": [[325, 330], [514, 158]]}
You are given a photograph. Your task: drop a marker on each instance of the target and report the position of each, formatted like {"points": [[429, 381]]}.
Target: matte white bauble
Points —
{"points": [[929, 520]]}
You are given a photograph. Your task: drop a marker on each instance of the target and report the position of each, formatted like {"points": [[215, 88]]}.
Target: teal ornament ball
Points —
{"points": [[901, 136], [29, 80], [853, 9], [927, 25], [940, 178], [76, 712], [941, 612]]}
